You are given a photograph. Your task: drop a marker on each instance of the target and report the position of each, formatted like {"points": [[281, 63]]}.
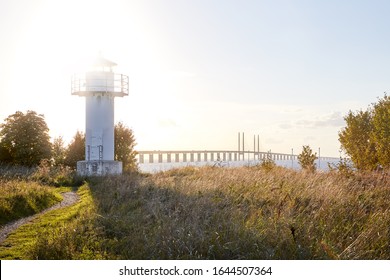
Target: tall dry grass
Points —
{"points": [[20, 198], [26, 191], [234, 213]]}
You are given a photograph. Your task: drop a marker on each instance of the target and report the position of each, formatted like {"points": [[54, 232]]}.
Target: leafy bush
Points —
{"points": [[366, 137], [307, 159], [267, 163], [344, 167]]}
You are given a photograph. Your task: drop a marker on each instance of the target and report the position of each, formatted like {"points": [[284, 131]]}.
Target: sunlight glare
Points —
{"points": [[61, 39]]}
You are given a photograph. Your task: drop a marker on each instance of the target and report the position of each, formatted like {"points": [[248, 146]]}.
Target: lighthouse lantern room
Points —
{"points": [[100, 85]]}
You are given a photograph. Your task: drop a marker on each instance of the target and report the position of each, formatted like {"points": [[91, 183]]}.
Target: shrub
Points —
{"points": [[307, 159], [267, 163], [344, 167]]}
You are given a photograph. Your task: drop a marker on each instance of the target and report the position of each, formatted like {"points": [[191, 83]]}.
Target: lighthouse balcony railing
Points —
{"points": [[117, 84]]}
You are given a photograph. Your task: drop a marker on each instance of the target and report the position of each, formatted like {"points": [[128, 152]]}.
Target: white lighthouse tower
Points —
{"points": [[100, 86]]}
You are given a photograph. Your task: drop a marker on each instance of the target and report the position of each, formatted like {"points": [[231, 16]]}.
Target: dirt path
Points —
{"points": [[69, 199]]}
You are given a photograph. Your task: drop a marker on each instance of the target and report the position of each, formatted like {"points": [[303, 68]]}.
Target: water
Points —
{"points": [[157, 167]]}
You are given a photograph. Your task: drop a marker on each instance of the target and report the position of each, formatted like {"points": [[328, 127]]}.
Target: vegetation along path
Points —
{"points": [[69, 198]]}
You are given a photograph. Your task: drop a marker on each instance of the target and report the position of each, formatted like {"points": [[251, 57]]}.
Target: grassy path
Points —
{"points": [[21, 242], [69, 198]]}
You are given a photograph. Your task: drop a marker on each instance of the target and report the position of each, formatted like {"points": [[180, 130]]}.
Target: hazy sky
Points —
{"points": [[202, 71]]}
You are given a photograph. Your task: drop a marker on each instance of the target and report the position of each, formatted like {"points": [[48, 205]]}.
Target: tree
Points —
{"points": [[5, 156], [356, 139], [24, 139], [76, 150], [366, 138], [380, 133], [124, 147], [124, 142], [307, 159], [58, 151]]}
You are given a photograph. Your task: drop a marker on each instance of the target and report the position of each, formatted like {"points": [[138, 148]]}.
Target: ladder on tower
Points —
{"points": [[100, 152]]}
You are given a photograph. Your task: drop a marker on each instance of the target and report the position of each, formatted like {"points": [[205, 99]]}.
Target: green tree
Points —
{"points": [[307, 159], [25, 139], [76, 150], [5, 156], [124, 147], [380, 133], [58, 151], [356, 140]]}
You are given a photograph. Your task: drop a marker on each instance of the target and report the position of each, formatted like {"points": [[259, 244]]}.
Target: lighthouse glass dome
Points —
{"points": [[100, 79], [100, 85]]}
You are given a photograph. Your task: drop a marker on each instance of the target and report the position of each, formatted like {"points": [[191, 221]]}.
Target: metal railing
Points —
{"points": [[116, 84]]}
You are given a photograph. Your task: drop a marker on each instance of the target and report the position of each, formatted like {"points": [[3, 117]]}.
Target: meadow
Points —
{"points": [[20, 196], [216, 213]]}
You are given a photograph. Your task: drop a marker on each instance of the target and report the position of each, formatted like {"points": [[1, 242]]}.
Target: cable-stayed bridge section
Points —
{"points": [[163, 160]]}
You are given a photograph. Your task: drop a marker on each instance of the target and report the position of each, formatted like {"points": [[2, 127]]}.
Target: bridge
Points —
{"points": [[234, 158]]}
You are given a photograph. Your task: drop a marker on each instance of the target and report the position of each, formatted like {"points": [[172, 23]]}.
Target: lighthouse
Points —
{"points": [[99, 85]]}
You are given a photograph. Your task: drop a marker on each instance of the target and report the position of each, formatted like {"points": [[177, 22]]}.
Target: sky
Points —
{"points": [[202, 71]]}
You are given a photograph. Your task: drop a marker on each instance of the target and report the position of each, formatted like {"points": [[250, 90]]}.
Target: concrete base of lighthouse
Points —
{"points": [[99, 167]]}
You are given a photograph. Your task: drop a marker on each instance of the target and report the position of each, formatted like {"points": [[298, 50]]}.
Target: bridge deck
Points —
{"points": [[144, 157]]}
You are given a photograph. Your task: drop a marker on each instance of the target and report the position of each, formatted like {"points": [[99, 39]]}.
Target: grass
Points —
{"points": [[24, 198], [40, 238], [26, 191], [216, 213]]}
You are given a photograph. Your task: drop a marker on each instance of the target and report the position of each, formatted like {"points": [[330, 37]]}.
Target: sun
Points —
{"points": [[68, 32], [62, 37], [59, 39]]}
